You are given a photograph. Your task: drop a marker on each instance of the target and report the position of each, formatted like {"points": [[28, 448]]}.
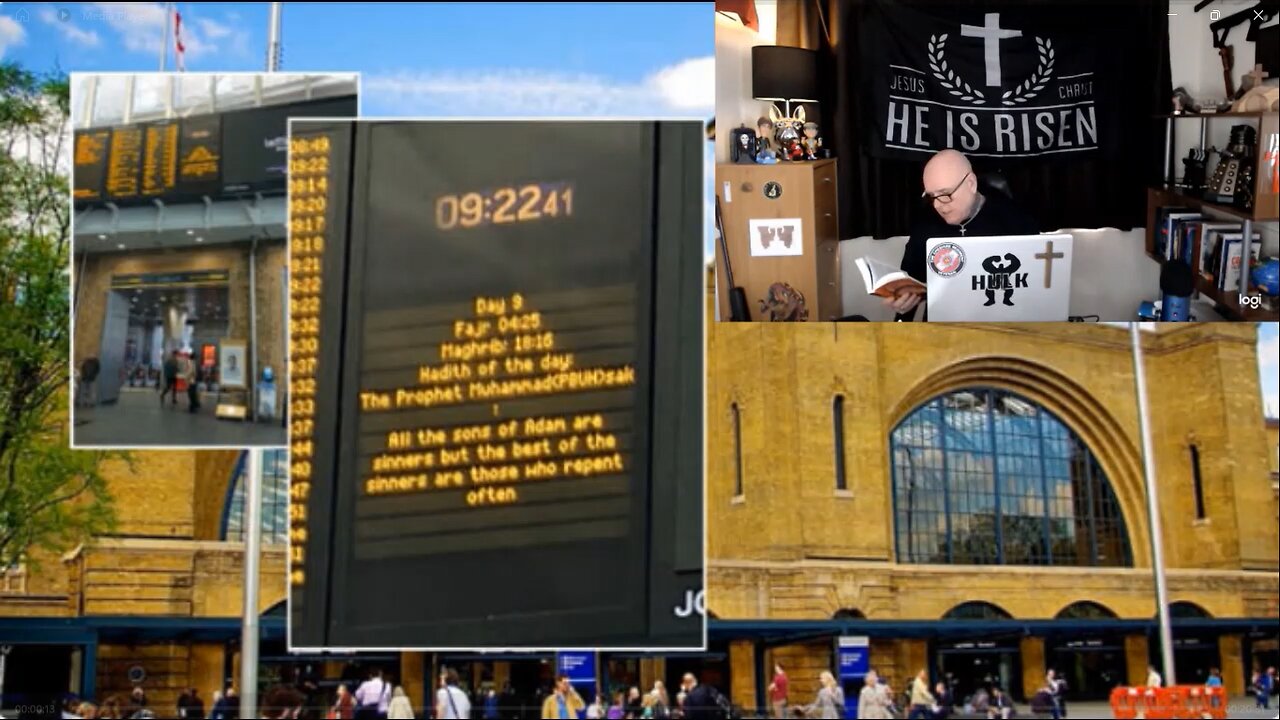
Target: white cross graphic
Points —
{"points": [[993, 34]]}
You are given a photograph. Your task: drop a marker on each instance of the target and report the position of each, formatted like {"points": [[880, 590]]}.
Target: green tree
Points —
{"points": [[51, 497]]}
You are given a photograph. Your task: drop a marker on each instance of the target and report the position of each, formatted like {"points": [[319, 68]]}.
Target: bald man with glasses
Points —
{"points": [[960, 210]]}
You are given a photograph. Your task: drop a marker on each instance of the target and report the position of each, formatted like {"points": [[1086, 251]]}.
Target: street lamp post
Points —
{"points": [[249, 619], [1153, 508]]}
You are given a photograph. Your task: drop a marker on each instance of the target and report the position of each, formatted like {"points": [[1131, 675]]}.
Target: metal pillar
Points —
{"points": [[273, 39], [252, 551], [1153, 508]]}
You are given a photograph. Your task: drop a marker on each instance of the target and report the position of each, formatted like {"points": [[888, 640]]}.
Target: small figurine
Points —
{"points": [[764, 131], [1183, 102], [742, 145], [1194, 176], [811, 141], [788, 132]]}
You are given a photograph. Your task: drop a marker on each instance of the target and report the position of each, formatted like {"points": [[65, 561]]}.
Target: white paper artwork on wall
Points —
{"points": [[776, 236]]}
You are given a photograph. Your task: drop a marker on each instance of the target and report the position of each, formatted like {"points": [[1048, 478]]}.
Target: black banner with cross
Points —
{"points": [[1017, 83]]}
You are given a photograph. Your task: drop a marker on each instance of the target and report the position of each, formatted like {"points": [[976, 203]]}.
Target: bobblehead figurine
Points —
{"points": [[764, 131], [811, 141]]}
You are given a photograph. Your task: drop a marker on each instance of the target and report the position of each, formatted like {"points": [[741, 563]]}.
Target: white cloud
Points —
{"points": [[684, 89], [11, 33], [688, 85], [141, 29], [86, 38], [213, 28]]}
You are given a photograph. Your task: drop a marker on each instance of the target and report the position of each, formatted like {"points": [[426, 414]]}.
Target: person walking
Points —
{"points": [[829, 703], [451, 701], [700, 701], [662, 706], [491, 705], [344, 707], [372, 697], [922, 701], [400, 708], [226, 707], [194, 377], [873, 701], [1057, 689], [618, 710], [634, 703], [1001, 707], [778, 692], [170, 380], [563, 703], [1262, 684]]}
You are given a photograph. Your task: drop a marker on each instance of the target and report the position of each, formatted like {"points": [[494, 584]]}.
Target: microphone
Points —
{"points": [[1177, 283]]}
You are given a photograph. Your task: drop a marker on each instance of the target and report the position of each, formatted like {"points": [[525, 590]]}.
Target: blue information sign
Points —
{"points": [[579, 666], [853, 660]]}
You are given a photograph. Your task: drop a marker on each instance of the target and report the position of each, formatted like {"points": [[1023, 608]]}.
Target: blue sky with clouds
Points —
{"points": [[455, 59]]}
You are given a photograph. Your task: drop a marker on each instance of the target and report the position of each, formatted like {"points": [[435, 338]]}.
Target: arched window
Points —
{"points": [[848, 614], [837, 429], [987, 477], [737, 450], [1183, 609], [1085, 610], [977, 611], [275, 499]]}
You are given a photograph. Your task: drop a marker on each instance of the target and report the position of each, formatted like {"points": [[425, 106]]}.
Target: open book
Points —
{"points": [[886, 280]]}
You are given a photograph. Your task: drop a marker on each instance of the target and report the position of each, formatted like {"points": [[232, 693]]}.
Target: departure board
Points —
{"points": [[124, 163], [90, 163], [514, 365], [160, 159], [185, 159], [200, 155]]}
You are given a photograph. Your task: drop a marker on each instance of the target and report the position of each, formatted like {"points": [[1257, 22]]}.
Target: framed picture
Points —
{"points": [[232, 364]]}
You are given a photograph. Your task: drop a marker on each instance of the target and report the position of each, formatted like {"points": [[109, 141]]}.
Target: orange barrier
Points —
{"points": [[1181, 701]]}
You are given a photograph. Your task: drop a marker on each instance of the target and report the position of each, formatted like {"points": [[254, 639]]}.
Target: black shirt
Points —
{"points": [[997, 216]]}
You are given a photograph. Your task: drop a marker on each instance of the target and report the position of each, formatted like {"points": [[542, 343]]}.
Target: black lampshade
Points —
{"points": [[784, 73]]}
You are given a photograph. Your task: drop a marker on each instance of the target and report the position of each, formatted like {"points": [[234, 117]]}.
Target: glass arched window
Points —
{"points": [[977, 611], [275, 499], [987, 477], [1085, 610], [848, 614]]}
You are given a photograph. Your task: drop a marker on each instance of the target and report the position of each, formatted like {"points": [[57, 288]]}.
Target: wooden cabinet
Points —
{"points": [[798, 195]]}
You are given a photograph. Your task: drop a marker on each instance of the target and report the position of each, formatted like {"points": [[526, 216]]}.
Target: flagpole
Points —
{"points": [[273, 39], [164, 36], [1153, 509]]}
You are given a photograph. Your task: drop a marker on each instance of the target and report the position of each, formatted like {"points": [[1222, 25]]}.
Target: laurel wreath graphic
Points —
{"points": [[1034, 84], [946, 76]]}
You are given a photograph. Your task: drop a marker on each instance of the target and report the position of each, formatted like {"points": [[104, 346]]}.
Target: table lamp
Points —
{"points": [[786, 74]]}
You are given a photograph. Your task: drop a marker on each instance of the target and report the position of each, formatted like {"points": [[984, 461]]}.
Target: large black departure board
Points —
{"points": [[496, 388], [183, 159]]}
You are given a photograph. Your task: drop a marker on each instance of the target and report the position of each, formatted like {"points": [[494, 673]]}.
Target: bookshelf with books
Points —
{"points": [[1209, 235]]}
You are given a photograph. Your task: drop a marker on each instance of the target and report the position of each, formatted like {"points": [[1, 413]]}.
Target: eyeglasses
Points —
{"points": [[944, 197]]}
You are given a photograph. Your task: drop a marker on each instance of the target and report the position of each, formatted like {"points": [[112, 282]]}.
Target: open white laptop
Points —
{"points": [[1013, 278]]}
